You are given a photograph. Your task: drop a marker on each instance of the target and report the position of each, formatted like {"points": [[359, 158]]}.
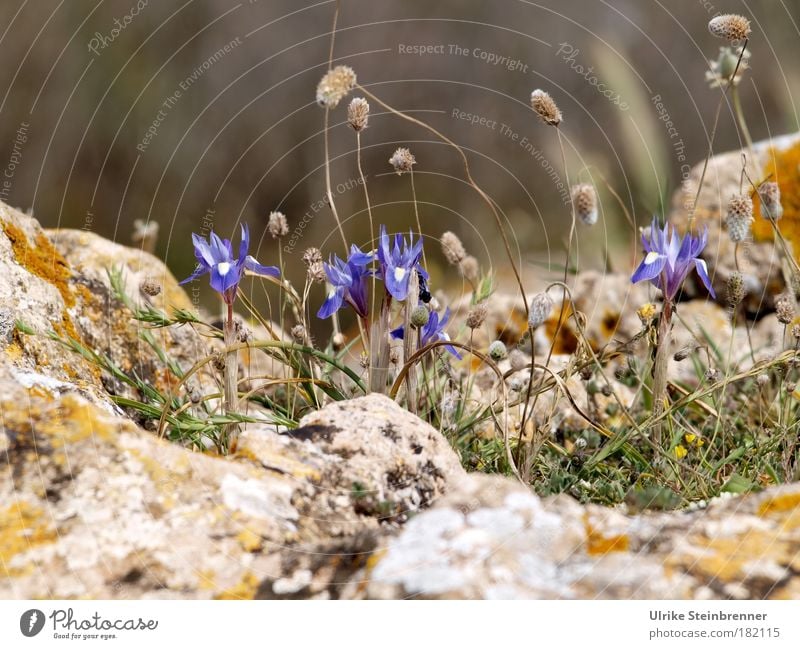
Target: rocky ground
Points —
{"points": [[363, 500]]}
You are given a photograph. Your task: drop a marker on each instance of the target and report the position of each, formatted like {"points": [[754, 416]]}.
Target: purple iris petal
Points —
{"points": [[398, 259], [670, 258], [215, 256], [348, 280]]}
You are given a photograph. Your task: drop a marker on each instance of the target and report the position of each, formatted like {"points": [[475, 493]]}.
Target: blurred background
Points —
{"points": [[198, 113]]}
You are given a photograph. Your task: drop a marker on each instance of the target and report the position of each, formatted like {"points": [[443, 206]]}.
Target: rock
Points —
{"points": [[490, 538], [760, 260], [95, 507], [608, 302]]}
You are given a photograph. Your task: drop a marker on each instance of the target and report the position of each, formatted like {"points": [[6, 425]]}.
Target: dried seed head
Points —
{"points": [[581, 443], [358, 114], [452, 248], [419, 317], [791, 387], [796, 331], [497, 350], [477, 315], [402, 160], [394, 355], [587, 372], [218, 361], [335, 86], [540, 308], [299, 334], [647, 314], [721, 72], [682, 354], [712, 375], [312, 258], [736, 290], [519, 361], [731, 27], [784, 309], [150, 287], [277, 225], [584, 198], [338, 341], [763, 379], [770, 196], [470, 268], [740, 217], [544, 106]]}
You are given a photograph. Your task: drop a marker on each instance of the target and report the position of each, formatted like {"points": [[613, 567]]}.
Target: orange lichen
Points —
{"points": [[598, 543], [42, 259], [783, 167], [780, 503], [249, 540], [566, 342], [22, 526]]}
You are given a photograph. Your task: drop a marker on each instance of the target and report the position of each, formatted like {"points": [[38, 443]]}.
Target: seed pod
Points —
{"points": [[518, 360], [540, 308], [277, 225], [736, 291], [770, 196], [419, 317], [544, 106], [497, 350], [150, 287], [584, 198], [452, 248], [477, 315], [784, 309], [358, 114], [740, 217], [335, 86], [470, 268], [731, 27], [402, 160]]}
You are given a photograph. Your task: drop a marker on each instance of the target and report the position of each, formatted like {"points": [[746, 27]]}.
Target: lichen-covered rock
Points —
{"points": [[92, 506], [491, 538], [761, 259]]}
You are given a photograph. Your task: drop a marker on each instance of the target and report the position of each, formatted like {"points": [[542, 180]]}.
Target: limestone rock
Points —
{"points": [[95, 507], [761, 259], [491, 538]]}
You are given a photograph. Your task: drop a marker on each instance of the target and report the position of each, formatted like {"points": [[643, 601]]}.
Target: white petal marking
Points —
{"points": [[223, 268], [399, 274]]}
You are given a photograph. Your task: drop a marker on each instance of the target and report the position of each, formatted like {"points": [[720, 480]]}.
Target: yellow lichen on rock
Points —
{"points": [[22, 526]]}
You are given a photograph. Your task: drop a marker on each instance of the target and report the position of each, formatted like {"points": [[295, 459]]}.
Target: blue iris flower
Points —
{"points": [[397, 260], [215, 256], [432, 332], [348, 280], [670, 258]]}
